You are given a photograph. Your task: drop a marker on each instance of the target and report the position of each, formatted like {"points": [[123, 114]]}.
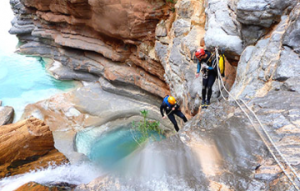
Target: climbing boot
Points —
{"points": [[203, 105], [207, 104]]}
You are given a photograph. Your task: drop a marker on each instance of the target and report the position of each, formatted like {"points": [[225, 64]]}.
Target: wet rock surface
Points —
{"points": [[32, 186], [227, 145], [279, 112], [88, 107], [171, 161]]}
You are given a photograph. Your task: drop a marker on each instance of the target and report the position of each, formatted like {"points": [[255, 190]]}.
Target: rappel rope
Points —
{"points": [[261, 136]]}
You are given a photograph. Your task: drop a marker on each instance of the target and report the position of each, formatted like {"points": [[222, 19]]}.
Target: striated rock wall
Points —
{"points": [[95, 39], [261, 44], [25, 146]]}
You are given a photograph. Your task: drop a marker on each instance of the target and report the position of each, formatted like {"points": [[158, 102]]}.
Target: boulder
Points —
{"points": [[291, 37], [288, 65], [262, 12], [27, 145], [6, 115], [33, 186], [291, 84], [222, 29]]}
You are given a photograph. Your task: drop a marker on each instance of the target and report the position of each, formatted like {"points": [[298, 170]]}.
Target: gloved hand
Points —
{"points": [[210, 68], [204, 66]]}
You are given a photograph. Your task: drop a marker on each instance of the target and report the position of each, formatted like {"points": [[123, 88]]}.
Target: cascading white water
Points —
{"points": [[164, 165], [122, 164], [73, 174]]}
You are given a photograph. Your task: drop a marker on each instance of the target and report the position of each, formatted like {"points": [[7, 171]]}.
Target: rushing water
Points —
{"points": [[72, 174], [167, 164], [23, 79], [107, 148]]}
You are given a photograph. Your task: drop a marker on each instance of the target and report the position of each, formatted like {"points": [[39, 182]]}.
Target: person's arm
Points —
{"points": [[162, 109], [198, 66]]}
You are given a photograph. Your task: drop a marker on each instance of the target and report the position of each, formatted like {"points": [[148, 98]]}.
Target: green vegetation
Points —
{"points": [[171, 1], [145, 128]]}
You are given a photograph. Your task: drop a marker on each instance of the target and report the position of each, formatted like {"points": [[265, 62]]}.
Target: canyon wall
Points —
{"points": [[143, 50], [95, 39]]}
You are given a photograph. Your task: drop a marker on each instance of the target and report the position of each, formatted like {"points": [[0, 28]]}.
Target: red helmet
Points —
{"points": [[200, 52]]}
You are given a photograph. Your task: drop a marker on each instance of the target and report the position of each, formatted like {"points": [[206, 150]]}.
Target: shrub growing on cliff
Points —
{"points": [[145, 128], [171, 1]]}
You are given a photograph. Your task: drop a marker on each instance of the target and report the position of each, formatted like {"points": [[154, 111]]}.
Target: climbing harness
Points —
{"points": [[170, 112], [261, 136]]}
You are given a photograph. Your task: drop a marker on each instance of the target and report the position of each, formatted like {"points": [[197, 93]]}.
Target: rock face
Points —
{"points": [[32, 186], [95, 39], [210, 153], [175, 52], [146, 50], [270, 63], [262, 12], [6, 115], [91, 107], [25, 146], [222, 29]]}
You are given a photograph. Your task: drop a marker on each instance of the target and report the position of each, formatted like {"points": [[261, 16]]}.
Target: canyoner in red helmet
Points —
{"points": [[206, 64], [171, 107]]}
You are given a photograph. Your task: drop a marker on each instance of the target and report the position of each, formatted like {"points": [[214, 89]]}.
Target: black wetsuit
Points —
{"points": [[209, 76], [170, 113]]}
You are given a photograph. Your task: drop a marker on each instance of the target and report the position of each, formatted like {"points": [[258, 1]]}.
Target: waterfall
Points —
{"points": [[166, 164], [73, 174]]}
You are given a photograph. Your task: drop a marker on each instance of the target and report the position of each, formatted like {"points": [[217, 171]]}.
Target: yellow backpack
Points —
{"points": [[222, 64]]}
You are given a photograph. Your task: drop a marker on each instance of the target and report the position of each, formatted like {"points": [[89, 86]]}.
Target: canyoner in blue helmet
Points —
{"points": [[171, 108]]}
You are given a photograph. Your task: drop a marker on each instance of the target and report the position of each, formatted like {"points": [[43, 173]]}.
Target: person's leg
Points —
{"points": [[204, 86], [181, 115], [172, 119], [210, 83]]}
